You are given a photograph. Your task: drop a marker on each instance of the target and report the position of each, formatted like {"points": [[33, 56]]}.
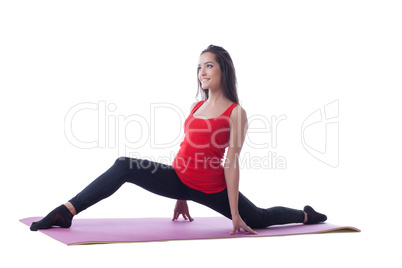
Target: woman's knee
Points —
{"points": [[127, 163]]}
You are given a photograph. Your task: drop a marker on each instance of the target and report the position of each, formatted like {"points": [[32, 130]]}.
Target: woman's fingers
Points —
{"points": [[175, 215], [246, 228], [186, 216], [233, 231]]}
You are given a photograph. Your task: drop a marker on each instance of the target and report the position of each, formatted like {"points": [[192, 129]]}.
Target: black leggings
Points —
{"points": [[162, 180]]}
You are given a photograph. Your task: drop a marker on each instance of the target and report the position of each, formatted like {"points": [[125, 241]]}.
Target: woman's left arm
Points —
{"points": [[238, 130]]}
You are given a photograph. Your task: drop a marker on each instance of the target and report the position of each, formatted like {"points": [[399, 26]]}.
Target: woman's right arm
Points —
{"points": [[181, 205]]}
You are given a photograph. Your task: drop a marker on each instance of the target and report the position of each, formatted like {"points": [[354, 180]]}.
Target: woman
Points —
{"points": [[214, 124]]}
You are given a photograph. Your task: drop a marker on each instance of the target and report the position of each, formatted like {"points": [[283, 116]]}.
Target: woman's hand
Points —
{"points": [[181, 208], [239, 223]]}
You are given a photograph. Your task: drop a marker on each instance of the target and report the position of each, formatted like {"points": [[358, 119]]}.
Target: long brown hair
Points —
{"points": [[228, 81]]}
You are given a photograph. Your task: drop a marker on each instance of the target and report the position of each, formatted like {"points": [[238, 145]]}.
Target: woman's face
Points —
{"points": [[209, 72]]}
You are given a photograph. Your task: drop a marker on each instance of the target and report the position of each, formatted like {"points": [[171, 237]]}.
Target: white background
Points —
{"points": [[291, 58]]}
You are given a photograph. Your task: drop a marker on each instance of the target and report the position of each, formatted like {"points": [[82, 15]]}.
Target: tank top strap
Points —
{"points": [[229, 110], [196, 106]]}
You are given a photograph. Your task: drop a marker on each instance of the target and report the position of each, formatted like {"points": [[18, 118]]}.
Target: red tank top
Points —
{"points": [[199, 162]]}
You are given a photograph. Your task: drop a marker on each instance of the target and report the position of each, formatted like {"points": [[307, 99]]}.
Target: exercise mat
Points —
{"points": [[120, 230]]}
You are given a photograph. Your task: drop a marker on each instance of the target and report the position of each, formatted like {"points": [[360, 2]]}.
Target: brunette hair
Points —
{"points": [[228, 81]]}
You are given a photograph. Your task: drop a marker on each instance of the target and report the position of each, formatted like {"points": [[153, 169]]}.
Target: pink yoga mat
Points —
{"points": [[95, 231]]}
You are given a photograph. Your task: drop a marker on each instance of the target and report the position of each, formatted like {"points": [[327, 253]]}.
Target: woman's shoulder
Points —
{"points": [[193, 105], [238, 107], [238, 113]]}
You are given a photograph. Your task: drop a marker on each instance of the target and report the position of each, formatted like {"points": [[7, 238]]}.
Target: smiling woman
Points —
{"points": [[209, 76], [215, 58], [197, 173]]}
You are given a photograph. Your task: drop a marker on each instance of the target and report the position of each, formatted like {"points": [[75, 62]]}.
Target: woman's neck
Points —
{"points": [[215, 97]]}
